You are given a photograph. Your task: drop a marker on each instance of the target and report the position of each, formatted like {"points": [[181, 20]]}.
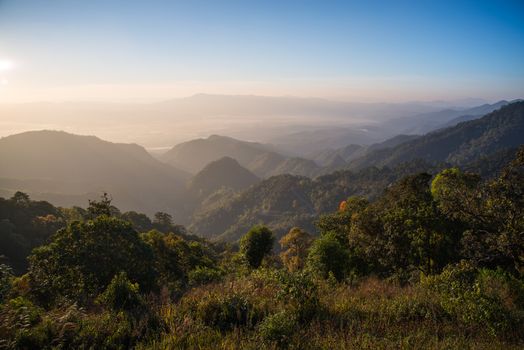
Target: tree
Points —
{"points": [[82, 259], [256, 244], [20, 199], [459, 196], [404, 230], [163, 219], [498, 240], [102, 207], [164, 223], [328, 256], [295, 247], [339, 223], [140, 222]]}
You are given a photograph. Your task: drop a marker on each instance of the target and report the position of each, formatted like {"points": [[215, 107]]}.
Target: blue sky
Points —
{"points": [[360, 50]]}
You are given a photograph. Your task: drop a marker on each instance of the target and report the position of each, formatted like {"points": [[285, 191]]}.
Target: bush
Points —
{"points": [[204, 275], [17, 317], [226, 312], [300, 293], [475, 298], [277, 328], [121, 294]]}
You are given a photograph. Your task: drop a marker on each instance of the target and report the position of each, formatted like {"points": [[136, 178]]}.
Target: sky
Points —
{"points": [[109, 50]]}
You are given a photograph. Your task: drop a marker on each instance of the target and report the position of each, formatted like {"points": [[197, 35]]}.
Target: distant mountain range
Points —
{"points": [[282, 202], [459, 144], [164, 124], [426, 122], [222, 185]]}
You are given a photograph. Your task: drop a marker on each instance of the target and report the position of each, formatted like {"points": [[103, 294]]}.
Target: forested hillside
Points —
{"points": [[284, 201], [457, 145]]}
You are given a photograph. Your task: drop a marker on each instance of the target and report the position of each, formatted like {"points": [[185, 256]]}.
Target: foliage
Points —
{"points": [[82, 259], [328, 256], [204, 275], [278, 329], [256, 244], [102, 207], [121, 294], [226, 312], [295, 246], [454, 241], [25, 224], [6, 276], [467, 295]]}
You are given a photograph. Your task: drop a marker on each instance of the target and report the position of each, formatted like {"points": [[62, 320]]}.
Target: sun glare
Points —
{"points": [[6, 65]]}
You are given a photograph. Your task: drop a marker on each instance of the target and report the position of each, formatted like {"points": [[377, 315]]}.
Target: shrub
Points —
{"points": [[300, 293], [226, 312], [465, 295], [121, 294], [17, 317], [278, 328], [204, 275]]}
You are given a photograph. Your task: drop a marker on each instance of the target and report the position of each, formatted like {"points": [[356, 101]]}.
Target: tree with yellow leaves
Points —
{"points": [[295, 247]]}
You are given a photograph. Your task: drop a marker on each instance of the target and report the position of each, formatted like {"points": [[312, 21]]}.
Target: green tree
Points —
{"points": [[256, 244], [404, 230], [328, 256], [82, 259]]}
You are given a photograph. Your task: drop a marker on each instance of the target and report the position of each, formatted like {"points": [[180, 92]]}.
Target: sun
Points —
{"points": [[6, 65]]}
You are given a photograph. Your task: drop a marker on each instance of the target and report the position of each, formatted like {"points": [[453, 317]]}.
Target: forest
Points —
{"points": [[433, 261]]}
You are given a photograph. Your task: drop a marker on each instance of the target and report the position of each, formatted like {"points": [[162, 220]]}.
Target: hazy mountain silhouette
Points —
{"points": [[460, 144], [260, 159], [67, 169], [225, 172], [426, 122]]}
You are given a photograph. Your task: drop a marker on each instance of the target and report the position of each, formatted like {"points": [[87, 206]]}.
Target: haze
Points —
{"points": [[123, 59]]}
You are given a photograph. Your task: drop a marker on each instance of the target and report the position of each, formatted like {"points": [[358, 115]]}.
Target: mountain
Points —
{"points": [[193, 155], [68, 169], [285, 201], [458, 145], [225, 172], [426, 122], [330, 156], [311, 141], [391, 142], [260, 159], [335, 159]]}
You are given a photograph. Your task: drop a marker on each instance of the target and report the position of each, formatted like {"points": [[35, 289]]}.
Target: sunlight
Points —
{"points": [[6, 65]]}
